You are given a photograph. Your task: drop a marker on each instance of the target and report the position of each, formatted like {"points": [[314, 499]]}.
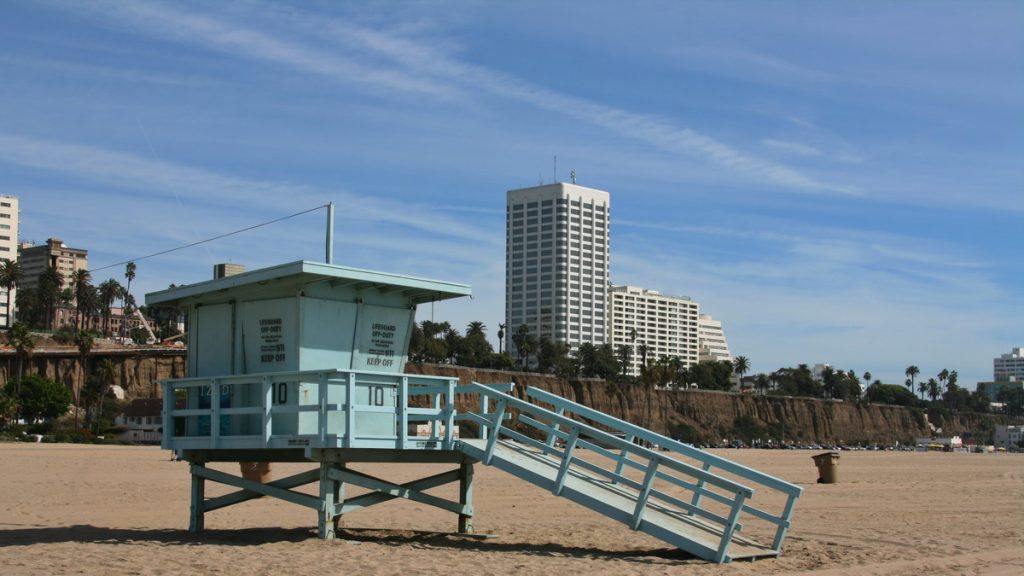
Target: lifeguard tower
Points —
{"points": [[303, 362]]}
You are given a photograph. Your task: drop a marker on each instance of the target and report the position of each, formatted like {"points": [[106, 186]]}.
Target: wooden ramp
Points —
{"points": [[704, 524], [615, 501]]}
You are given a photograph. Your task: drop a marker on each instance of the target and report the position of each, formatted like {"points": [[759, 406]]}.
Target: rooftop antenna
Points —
{"points": [[572, 174], [554, 172]]}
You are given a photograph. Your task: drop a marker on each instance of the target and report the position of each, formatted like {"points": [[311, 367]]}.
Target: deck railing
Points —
{"points": [[340, 409]]}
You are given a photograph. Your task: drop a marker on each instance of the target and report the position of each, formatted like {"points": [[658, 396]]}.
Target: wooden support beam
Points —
{"points": [[384, 491], [264, 489], [466, 498], [226, 500], [196, 520]]}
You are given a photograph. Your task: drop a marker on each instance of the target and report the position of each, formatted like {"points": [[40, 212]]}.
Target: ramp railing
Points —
{"points": [[769, 487], [653, 479]]}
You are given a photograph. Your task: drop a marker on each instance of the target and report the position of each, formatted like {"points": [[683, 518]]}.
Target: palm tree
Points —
{"points": [[952, 378], [109, 291], [129, 273], [943, 376], [912, 372], [49, 293], [643, 349], [933, 389], [501, 338], [867, 379], [475, 328], [84, 342], [740, 365], [81, 283], [105, 372], [21, 339], [922, 388], [10, 277]]}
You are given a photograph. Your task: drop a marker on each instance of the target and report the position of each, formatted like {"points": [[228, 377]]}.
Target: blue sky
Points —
{"points": [[837, 182]]}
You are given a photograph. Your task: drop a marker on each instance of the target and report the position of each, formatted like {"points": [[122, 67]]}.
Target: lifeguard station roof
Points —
{"points": [[295, 275]]}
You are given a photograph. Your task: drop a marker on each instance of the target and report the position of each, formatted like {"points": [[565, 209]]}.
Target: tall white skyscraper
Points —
{"points": [[556, 263], [8, 250]]}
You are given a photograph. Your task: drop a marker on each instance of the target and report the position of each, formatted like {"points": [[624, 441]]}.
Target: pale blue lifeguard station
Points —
{"points": [[302, 362]]}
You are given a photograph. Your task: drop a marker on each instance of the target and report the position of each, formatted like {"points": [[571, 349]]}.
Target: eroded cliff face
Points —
{"points": [[137, 372], [706, 416]]}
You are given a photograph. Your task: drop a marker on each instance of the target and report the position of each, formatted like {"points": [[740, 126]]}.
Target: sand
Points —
{"points": [[68, 509]]}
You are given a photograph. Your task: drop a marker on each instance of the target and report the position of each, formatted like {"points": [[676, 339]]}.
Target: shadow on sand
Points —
{"points": [[26, 536]]}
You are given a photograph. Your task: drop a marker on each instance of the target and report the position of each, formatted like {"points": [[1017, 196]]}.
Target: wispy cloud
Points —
{"points": [[788, 147], [417, 68], [201, 188]]}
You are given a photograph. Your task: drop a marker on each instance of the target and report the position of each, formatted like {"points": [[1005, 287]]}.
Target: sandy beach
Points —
{"points": [[71, 509]]}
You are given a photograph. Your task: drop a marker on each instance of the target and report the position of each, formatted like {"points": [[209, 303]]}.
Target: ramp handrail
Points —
{"points": [[709, 461], [653, 464]]}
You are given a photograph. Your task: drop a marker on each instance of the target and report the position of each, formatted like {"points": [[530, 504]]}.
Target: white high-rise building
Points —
{"points": [[712, 342], [666, 325], [556, 263], [1009, 367], [8, 251]]}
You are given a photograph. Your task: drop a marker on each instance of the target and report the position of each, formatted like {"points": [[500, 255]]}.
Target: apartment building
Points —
{"points": [[557, 263], [711, 340], [9, 219], [665, 325], [1009, 367], [54, 254]]}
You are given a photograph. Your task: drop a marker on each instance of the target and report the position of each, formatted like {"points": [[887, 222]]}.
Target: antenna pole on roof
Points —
{"points": [[330, 232]]}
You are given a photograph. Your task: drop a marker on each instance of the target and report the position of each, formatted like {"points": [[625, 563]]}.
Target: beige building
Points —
{"points": [[9, 218], [712, 342], [667, 325], [556, 263], [54, 254]]}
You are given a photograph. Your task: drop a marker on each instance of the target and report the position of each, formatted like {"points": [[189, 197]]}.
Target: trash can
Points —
{"points": [[256, 471], [828, 467]]}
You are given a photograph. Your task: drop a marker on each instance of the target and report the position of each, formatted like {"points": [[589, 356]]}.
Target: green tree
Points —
{"points": [[943, 377], [867, 379], [586, 359], [27, 304], [933, 389], [20, 338], [10, 278], [623, 352], [551, 355], [42, 399], [890, 394], [922, 388], [525, 343]]}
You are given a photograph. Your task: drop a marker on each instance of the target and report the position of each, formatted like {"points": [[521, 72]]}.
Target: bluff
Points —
{"points": [[710, 416], [136, 370]]}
